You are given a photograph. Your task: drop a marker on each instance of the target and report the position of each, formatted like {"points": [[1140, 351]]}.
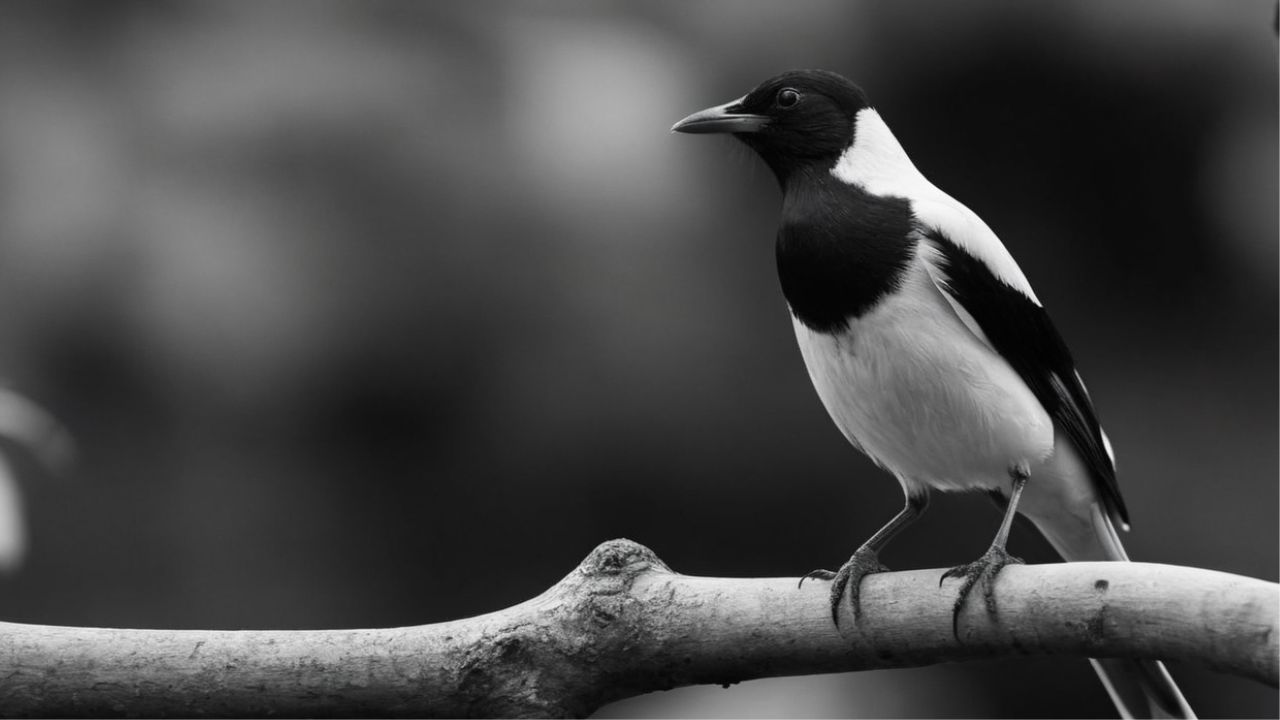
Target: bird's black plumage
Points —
{"points": [[840, 249], [1022, 332], [809, 133]]}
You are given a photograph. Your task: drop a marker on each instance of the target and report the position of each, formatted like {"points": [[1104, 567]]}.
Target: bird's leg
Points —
{"points": [[866, 559], [985, 568]]}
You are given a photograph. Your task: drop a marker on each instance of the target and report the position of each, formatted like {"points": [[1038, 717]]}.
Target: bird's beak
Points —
{"points": [[726, 118]]}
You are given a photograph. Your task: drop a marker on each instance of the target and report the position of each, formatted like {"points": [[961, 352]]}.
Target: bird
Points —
{"points": [[928, 347]]}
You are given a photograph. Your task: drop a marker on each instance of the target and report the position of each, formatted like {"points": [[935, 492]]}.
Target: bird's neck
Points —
{"points": [[877, 162]]}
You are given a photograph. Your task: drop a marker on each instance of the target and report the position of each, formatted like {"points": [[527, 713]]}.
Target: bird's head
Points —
{"points": [[799, 119]]}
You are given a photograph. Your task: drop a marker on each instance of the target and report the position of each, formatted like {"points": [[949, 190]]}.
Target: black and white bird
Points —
{"points": [[928, 347]]}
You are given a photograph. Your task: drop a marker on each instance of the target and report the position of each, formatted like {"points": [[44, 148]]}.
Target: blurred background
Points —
{"points": [[385, 313]]}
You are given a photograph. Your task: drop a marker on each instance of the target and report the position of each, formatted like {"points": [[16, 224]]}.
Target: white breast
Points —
{"points": [[913, 388]]}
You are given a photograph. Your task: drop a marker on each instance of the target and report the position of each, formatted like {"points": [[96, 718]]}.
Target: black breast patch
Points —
{"points": [[840, 250]]}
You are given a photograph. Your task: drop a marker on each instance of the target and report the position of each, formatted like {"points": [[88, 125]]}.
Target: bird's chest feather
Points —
{"points": [[913, 388], [840, 250]]}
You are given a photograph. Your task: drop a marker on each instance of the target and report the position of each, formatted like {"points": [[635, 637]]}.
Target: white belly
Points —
{"points": [[915, 390]]}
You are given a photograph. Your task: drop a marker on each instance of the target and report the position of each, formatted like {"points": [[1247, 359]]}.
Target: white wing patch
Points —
{"points": [[1106, 441], [931, 256], [877, 163]]}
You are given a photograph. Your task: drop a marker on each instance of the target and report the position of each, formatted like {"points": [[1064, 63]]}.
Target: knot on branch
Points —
{"points": [[620, 557], [597, 594], [572, 648]]}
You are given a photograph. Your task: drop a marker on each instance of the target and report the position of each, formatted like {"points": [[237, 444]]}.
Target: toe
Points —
{"points": [[816, 575], [838, 586], [983, 571], [864, 562]]}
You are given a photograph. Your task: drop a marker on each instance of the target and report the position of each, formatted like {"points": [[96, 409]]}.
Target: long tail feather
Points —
{"points": [[1139, 688]]}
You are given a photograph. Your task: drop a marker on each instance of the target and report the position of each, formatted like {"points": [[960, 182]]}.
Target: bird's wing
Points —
{"points": [[988, 300]]}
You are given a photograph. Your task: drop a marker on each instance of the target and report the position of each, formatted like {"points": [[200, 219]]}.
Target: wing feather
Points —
{"points": [[1014, 324]]}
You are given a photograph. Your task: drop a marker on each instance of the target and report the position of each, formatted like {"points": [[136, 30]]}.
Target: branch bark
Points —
{"points": [[623, 624]]}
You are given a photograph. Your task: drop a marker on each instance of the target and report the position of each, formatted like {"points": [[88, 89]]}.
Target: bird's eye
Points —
{"points": [[787, 98]]}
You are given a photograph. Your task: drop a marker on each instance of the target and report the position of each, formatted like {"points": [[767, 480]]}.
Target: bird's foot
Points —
{"points": [[983, 570], [864, 562]]}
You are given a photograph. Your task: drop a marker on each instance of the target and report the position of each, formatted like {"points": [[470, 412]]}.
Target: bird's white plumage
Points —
{"points": [[877, 163], [912, 387]]}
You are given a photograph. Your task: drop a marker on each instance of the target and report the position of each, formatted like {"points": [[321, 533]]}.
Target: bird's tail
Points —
{"points": [[1139, 688]]}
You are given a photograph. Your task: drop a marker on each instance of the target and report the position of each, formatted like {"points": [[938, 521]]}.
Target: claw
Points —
{"points": [[816, 575], [863, 562], [983, 570]]}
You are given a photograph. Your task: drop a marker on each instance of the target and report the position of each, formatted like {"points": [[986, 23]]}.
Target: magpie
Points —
{"points": [[928, 347]]}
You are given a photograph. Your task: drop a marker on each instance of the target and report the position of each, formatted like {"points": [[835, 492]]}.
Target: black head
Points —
{"points": [[797, 119]]}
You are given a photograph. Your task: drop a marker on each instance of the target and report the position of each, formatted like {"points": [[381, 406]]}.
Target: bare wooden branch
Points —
{"points": [[623, 624]]}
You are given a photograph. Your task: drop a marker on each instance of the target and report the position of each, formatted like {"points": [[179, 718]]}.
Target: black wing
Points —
{"points": [[1021, 331]]}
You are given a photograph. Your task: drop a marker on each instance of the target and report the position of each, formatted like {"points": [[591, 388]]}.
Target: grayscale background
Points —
{"points": [[385, 313]]}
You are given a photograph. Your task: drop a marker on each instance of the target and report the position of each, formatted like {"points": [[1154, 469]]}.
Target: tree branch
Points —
{"points": [[623, 624]]}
